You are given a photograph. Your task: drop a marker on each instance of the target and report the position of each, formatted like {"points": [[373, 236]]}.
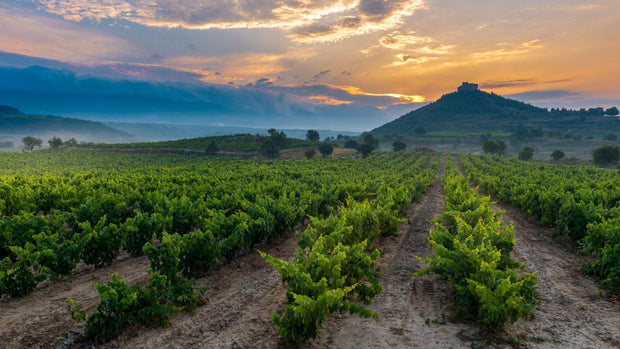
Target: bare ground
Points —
{"points": [[244, 293], [409, 308], [570, 314]]}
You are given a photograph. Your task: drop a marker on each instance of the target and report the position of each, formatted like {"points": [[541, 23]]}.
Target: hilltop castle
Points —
{"points": [[467, 87]]}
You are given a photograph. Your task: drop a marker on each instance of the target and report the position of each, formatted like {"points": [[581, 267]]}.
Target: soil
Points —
{"points": [[413, 311]]}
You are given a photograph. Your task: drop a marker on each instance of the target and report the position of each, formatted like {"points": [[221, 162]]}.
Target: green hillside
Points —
{"points": [[14, 125], [472, 111], [236, 143]]}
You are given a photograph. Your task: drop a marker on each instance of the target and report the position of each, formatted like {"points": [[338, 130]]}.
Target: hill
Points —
{"points": [[6, 110], [228, 143], [470, 110], [14, 125]]}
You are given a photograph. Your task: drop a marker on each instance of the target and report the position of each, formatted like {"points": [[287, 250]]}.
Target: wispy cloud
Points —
{"points": [[327, 100], [506, 50], [306, 21]]}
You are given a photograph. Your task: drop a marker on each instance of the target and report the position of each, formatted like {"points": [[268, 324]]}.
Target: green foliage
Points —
{"points": [[613, 111], [55, 142], [212, 148], [124, 305], [333, 265], [526, 153], [399, 145], [31, 142], [497, 147], [21, 275], [580, 201], [365, 149], [419, 131], [71, 142], [473, 252], [557, 155], [313, 136], [351, 144], [100, 244], [309, 154], [606, 155], [326, 149]]}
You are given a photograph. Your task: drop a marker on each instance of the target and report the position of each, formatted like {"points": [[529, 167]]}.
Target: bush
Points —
{"points": [[398, 146], [606, 155], [326, 149], [526, 154], [557, 155]]}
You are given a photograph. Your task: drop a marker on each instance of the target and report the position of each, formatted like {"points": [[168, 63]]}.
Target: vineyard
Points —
{"points": [[144, 250]]}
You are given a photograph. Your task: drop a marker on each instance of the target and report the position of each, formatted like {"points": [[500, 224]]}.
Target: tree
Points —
{"points": [[365, 150], [419, 131], [501, 147], [606, 155], [55, 142], [526, 153], [212, 148], [309, 154], [489, 147], [371, 140], [613, 111], [557, 155], [271, 145], [313, 135], [399, 145], [71, 142], [326, 149], [369, 143], [351, 143], [31, 142], [494, 147]]}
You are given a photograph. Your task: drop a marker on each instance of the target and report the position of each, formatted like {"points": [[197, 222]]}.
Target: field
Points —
{"points": [[206, 249]]}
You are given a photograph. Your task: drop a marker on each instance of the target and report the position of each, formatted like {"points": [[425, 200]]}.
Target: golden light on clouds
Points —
{"points": [[326, 100], [356, 91]]}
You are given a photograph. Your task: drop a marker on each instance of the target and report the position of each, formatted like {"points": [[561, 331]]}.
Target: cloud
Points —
{"points": [[320, 75], [507, 51], [546, 95], [326, 100], [305, 21], [400, 41], [33, 35]]}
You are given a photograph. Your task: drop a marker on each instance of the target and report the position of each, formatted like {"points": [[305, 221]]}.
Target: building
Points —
{"points": [[467, 87]]}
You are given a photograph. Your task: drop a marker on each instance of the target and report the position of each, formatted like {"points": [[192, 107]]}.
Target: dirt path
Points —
{"points": [[409, 308], [36, 320], [242, 296], [570, 313]]}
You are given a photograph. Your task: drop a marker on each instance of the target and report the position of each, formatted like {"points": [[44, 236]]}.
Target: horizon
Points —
{"points": [[319, 65]]}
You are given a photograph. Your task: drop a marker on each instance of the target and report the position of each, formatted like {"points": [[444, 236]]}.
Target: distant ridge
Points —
{"points": [[468, 109], [14, 125], [6, 110]]}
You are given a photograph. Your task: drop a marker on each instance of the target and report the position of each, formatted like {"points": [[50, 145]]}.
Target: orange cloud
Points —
{"points": [[404, 99], [326, 100]]}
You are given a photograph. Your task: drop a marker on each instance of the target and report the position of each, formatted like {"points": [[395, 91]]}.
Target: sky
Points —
{"points": [[368, 61]]}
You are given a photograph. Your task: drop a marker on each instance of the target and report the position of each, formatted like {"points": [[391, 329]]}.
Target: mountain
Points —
{"points": [[14, 125], [470, 110]]}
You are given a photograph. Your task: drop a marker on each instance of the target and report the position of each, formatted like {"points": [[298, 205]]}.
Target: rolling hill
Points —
{"points": [[470, 110], [14, 125]]}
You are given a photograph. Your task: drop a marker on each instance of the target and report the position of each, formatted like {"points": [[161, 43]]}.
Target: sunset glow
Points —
{"points": [[349, 53]]}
